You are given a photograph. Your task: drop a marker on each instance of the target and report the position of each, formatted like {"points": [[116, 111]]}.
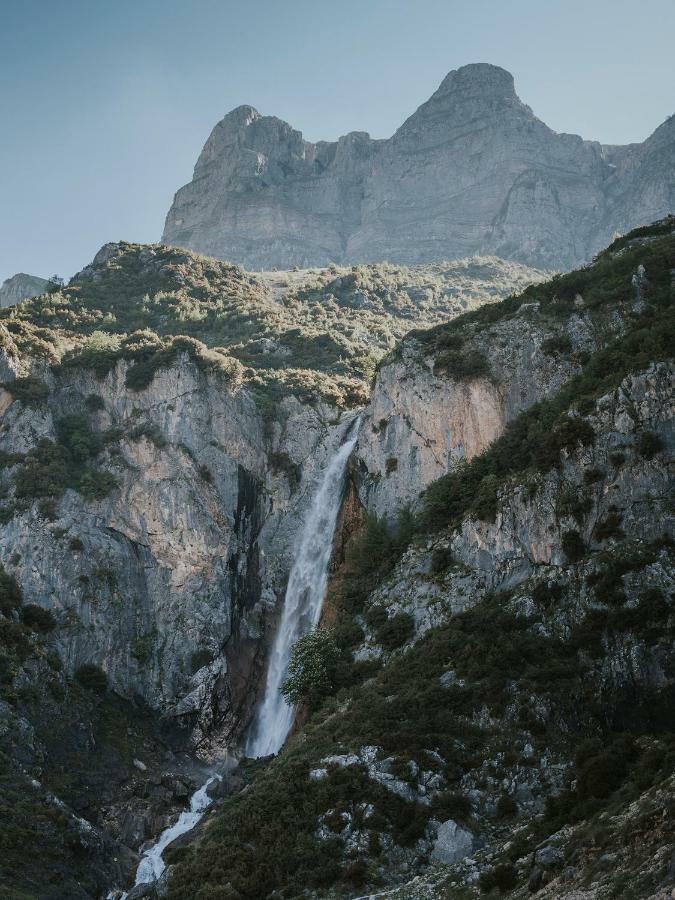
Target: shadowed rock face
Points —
{"points": [[471, 171]]}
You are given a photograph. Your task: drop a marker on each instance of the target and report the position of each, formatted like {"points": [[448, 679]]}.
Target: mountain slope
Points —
{"points": [[471, 171], [505, 701]]}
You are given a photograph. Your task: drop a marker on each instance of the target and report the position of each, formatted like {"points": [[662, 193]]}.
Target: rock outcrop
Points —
{"points": [[165, 584], [21, 287], [471, 171]]}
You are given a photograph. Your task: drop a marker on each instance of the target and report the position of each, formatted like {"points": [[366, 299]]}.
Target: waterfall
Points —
{"points": [[303, 601], [152, 865]]}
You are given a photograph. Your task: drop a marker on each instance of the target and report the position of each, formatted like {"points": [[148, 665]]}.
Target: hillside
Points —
{"points": [[471, 171], [501, 719], [494, 712], [319, 332]]}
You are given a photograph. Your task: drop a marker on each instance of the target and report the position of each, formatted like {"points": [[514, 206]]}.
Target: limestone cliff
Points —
{"points": [[21, 287], [471, 171]]}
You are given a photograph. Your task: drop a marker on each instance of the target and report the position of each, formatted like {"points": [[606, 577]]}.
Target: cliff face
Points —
{"points": [[20, 287], [471, 171], [165, 583]]}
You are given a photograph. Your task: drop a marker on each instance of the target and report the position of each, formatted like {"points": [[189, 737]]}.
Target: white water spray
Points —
{"points": [[303, 602]]}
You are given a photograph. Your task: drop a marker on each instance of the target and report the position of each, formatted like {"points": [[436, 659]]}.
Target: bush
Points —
{"points": [[573, 546], [29, 390], [92, 678], [396, 631], [375, 616], [76, 545], [441, 560], [37, 618], [451, 805], [503, 877], [649, 444], [601, 770], [507, 807], [312, 668], [558, 344], [94, 402], [199, 659], [10, 593]]}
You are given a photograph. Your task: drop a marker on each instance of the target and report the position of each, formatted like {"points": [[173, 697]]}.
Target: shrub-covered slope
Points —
{"points": [[501, 717], [314, 332]]}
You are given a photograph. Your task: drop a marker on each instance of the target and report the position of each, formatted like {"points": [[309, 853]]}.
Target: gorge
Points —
{"points": [[192, 455]]}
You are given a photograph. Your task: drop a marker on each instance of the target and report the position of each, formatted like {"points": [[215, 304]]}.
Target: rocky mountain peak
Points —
{"points": [[21, 287], [472, 171], [479, 79]]}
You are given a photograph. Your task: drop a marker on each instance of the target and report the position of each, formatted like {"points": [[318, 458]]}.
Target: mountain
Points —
{"points": [[21, 287], [499, 709], [472, 171]]}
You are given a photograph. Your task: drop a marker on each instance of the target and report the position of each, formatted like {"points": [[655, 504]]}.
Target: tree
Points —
{"points": [[313, 667]]}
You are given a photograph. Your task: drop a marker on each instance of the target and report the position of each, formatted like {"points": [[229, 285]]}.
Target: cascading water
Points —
{"points": [[303, 602], [152, 865]]}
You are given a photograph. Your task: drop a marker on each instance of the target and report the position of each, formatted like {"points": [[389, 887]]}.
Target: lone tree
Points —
{"points": [[312, 668]]}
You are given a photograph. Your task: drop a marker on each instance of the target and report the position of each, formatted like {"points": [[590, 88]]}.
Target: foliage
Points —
{"points": [[29, 390], [396, 630], [92, 678], [37, 618], [10, 593], [52, 467], [312, 668], [572, 545], [649, 444]]}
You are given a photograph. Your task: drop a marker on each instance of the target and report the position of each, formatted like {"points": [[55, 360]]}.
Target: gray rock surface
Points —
{"points": [[168, 582], [21, 287], [471, 171], [452, 843]]}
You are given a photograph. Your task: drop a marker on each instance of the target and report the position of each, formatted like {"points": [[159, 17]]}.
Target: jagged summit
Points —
{"points": [[472, 170]]}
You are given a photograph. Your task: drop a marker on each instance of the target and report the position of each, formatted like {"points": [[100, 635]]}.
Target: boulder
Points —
{"points": [[452, 843]]}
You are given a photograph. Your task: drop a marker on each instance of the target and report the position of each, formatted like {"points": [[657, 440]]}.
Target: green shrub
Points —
{"points": [[503, 877], [37, 618], [441, 560], [76, 545], [142, 647], [558, 344], [375, 616], [507, 807], [199, 659], [573, 546], [10, 593], [451, 805], [396, 631], [461, 364], [649, 444], [94, 402], [92, 678], [601, 770], [29, 390], [312, 668]]}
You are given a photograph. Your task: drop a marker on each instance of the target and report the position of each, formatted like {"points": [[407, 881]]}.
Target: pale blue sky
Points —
{"points": [[105, 104]]}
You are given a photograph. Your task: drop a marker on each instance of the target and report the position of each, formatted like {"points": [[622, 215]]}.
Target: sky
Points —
{"points": [[104, 106]]}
